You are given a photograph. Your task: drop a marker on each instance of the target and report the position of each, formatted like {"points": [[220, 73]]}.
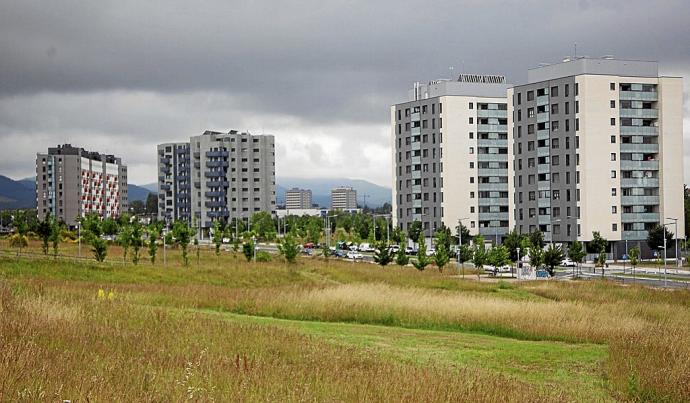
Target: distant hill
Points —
{"points": [[151, 187], [321, 190], [137, 192], [16, 194]]}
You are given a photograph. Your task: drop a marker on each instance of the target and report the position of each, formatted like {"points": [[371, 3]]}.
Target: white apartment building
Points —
{"points": [[598, 147], [451, 160], [343, 198]]}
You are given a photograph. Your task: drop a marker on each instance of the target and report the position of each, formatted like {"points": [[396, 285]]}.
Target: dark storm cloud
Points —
{"points": [[311, 63]]}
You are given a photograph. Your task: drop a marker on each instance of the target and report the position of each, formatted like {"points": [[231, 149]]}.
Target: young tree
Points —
{"points": [[479, 254], [289, 248], [465, 234], [601, 261], [536, 238], [91, 230], [512, 242], [422, 260], [19, 241], [183, 236], [401, 258], [536, 257], [383, 254], [124, 239], [577, 253], [442, 256], [43, 231], [55, 236], [217, 236], [198, 251], [498, 256], [634, 255], [552, 258], [598, 243], [371, 237], [136, 240], [415, 230], [263, 225], [153, 242], [465, 254], [248, 249]]}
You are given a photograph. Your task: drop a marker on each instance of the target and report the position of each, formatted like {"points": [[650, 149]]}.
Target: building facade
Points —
{"points": [[298, 199], [451, 157], [72, 182], [219, 176], [343, 198], [598, 146]]}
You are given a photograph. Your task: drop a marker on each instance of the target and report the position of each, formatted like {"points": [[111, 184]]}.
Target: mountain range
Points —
{"points": [[20, 193]]}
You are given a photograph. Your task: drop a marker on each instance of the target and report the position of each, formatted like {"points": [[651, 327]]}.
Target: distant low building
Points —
{"points": [[296, 198], [343, 198], [313, 212], [72, 182]]}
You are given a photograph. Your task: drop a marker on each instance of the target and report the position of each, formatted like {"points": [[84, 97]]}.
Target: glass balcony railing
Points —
{"points": [[640, 182], [639, 200], [639, 96], [639, 113], [639, 148], [639, 217]]}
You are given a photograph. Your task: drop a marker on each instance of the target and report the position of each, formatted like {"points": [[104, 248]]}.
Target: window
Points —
{"points": [[613, 104], [554, 126], [519, 115], [613, 139], [567, 90], [577, 106], [567, 125], [567, 108], [530, 96], [554, 109], [577, 124], [577, 89], [471, 135], [471, 150], [613, 121], [613, 156], [555, 160], [614, 227], [554, 91], [530, 129], [614, 210], [613, 174], [613, 191], [613, 86], [530, 112], [471, 120], [471, 179], [471, 105], [554, 143], [519, 98]]}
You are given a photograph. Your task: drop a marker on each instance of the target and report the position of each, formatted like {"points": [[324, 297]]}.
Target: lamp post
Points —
{"points": [[517, 264], [255, 246], [460, 220], [388, 237], [675, 234]]}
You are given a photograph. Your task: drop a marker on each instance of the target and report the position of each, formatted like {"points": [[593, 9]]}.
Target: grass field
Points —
{"points": [[228, 330]]}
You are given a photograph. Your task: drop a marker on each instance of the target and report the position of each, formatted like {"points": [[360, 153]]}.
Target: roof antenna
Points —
{"points": [[575, 57]]}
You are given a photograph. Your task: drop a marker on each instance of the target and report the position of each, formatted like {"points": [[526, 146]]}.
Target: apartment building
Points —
{"points": [[343, 198], [217, 176], [451, 160], [598, 146], [72, 182], [174, 185], [296, 198]]}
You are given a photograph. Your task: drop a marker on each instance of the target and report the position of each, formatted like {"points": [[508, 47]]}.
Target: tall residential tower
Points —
{"points": [[598, 147], [450, 144], [72, 182]]}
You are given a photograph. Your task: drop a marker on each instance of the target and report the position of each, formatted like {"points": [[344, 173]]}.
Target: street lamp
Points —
{"points": [[460, 220], [675, 234], [388, 237]]}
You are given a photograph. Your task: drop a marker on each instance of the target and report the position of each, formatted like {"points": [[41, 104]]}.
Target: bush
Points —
{"points": [[263, 256]]}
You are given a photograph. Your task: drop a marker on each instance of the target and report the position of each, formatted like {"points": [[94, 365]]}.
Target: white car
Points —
{"points": [[354, 255], [365, 247], [567, 262], [394, 248], [410, 250], [353, 248], [430, 252]]}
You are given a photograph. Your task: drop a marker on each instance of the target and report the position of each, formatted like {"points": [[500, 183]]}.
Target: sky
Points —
{"points": [[122, 76]]}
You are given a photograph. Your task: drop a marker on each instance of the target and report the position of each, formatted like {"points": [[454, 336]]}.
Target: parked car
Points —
{"points": [[430, 252], [339, 253], [410, 250], [353, 248], [567, 262], [393, 248], [354, 255], [308, 245], [365, 247]]}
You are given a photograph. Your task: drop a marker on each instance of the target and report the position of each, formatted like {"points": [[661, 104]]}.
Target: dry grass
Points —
{"points": [[115, 351]]}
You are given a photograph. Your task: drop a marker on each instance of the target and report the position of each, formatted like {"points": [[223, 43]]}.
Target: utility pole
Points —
{"points": [[675, 234]]}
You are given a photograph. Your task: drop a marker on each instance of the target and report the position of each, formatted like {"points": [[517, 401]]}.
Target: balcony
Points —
{"points": [[165, 160], [489, 232], [416, 174], [542, 117], [639, 200], [415, 117], [416, 131], [492, 157], [197, 184], [628, 165], [183, 186], [165, 187], [639, 217], [640, 130], [212, 204], [543, 152], [183, 150], [492, 171], [215, 164], [216, 154], [639, 148], [215, 184], [416, 146], [417, 203], [497, 216], [218, 214], [502, 187], [483, 128], [492, 113], [639, 113], [544, 202], [493, 201], [639, 96], [640, 182], [635, 235], [197, 164], [197, 154], [543, 134], [214, 174], [214, 194], [416, 188], [492, 143], [542, 100], [416, 160]]}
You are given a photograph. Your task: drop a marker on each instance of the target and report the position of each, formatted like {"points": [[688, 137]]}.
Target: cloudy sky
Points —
{"points": [[121, 76]]}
